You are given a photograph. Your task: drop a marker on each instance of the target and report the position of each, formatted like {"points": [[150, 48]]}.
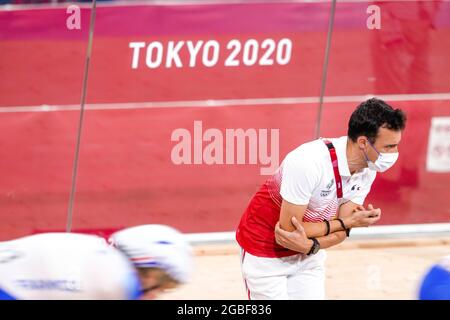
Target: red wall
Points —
{"points": [[126, 175]]}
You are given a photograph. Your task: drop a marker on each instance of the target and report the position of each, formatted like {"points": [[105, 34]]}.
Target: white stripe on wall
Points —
{"points": [[225, 102]]}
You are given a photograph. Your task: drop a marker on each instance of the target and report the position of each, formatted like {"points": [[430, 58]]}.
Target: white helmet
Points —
{"points": [[156, 246]]}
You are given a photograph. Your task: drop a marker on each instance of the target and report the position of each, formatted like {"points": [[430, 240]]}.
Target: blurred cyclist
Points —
{"points": [[65, 266], [77, 266], [160, 253]]}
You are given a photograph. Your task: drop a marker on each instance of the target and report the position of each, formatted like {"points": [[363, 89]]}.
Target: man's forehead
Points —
{"points": [[387, 136]]}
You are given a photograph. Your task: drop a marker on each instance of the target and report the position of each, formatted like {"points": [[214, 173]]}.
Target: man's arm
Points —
{"points": [[298, 241], [332, 239], [312, 229], [362, 218], [352, 214], [345, 212]]}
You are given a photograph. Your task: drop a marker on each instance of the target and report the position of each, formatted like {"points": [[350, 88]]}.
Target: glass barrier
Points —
{"points": [[191, 107], [397, 50], [42, 56]]}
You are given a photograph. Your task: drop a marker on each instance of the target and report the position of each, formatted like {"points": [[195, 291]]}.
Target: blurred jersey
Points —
{"points": [[65, 266]]}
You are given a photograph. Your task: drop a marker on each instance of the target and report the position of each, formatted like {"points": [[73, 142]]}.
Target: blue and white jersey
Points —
{"points": [[65, 266]]}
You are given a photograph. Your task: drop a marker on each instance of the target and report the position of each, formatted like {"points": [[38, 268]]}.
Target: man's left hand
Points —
{"points": [[295, 240]]}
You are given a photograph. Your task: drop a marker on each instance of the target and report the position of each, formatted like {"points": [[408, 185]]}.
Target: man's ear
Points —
{"points": [[362, 142]]}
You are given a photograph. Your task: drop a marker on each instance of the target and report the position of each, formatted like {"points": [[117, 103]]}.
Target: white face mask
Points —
{"points": [[383, 162]]}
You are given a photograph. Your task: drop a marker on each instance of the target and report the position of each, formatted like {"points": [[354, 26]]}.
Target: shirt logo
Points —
{"points": [[47, 284], [330, 184], [324, 193], [356, 187], [7, 255]]}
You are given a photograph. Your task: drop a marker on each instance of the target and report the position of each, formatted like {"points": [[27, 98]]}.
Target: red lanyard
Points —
{"points": [[334, 162]]}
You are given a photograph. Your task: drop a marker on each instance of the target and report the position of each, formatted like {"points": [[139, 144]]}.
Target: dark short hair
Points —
{"points": [[370, 116]]}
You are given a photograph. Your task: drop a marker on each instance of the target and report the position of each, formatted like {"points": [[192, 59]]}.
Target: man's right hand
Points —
{"points": [[362, 217]]}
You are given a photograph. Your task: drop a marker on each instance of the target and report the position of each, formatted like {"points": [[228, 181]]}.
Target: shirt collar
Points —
{"points": [[340, 144]]}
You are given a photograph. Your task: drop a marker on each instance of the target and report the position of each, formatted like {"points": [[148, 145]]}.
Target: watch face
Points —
{"points": [[316, 248]]}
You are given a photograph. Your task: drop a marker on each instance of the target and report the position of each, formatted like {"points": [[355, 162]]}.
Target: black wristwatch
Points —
{"points": [[315, 247]]}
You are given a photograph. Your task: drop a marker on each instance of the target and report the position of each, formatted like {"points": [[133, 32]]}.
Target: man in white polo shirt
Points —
{"points": [[312, 202]]}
